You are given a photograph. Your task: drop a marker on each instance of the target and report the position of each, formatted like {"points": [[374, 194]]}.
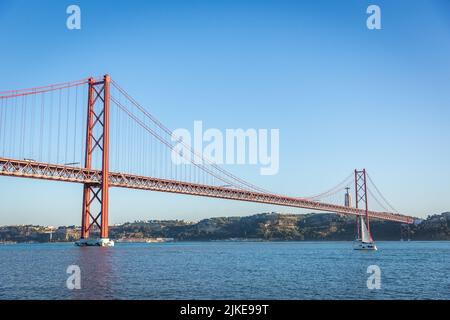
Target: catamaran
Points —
{"points": [[366, 242]]}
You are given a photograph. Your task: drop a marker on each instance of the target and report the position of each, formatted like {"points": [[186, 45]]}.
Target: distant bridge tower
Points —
{"points": [[361, 197]]}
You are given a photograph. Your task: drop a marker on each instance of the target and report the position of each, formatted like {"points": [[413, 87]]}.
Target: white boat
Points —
{"points": [[366, 242], [103, 242]]}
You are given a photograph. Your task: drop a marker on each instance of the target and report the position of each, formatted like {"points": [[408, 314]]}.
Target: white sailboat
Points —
{"points": [[366, 242]]}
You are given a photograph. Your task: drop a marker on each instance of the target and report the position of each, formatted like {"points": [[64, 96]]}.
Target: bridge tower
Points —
{"points": [[361, 197], [95, 195]]}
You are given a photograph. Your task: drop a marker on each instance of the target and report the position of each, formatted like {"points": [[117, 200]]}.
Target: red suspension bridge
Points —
{"points": [[92, 132]]}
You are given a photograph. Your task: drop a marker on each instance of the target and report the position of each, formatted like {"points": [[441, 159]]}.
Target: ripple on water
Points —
{"points": [[226, 270]]}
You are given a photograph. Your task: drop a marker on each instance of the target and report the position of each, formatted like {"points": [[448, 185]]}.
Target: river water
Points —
{"points": [[226, 270]]}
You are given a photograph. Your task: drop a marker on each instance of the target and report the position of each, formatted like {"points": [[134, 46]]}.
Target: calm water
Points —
{"points": [[226, 270]]}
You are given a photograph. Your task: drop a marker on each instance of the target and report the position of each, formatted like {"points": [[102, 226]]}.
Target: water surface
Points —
{"points": [[226, 270]]}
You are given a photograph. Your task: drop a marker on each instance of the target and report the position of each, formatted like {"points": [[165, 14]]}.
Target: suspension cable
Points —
{"points": [[333, 190], [165, 129], [380, 194], [161, 139]]}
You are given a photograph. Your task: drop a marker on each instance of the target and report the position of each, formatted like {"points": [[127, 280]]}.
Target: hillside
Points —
{"points": [[265, 226], [275, 226]]}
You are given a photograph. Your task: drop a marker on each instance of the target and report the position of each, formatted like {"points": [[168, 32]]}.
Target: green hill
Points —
{"points": [[264, 226], [275, 226]]}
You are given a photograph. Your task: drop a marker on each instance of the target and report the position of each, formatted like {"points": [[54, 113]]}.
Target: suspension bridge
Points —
{"points": [[93, 132]]}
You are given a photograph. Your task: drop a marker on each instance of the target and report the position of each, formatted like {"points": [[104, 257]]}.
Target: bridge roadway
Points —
{"points": [[45, 171]]}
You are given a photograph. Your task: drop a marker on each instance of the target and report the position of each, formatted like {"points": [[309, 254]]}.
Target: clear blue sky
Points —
{"points": [[310, 68]]}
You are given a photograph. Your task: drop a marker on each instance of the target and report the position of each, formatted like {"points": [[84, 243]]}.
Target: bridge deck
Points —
{"points": [[36, 170]]}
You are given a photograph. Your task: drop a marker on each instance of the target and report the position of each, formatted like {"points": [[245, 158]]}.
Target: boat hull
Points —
{"points": [[95, 243], [359, 245]]}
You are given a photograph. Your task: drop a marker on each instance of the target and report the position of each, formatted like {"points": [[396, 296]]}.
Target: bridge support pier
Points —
{"points": [[96, 196]]}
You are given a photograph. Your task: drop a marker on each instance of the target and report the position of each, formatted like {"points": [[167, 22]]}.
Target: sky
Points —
{"points": [[342, 96]]}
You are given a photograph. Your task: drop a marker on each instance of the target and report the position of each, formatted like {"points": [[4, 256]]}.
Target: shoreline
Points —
{"points": [[224, 240]]}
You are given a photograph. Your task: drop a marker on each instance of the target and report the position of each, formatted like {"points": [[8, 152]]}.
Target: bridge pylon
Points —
{"points": [[95, 194], [361, 197]]}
